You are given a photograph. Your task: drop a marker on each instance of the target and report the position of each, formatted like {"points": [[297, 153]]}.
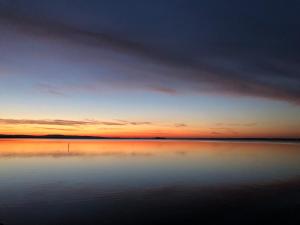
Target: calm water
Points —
{"points": [[47, 182]]}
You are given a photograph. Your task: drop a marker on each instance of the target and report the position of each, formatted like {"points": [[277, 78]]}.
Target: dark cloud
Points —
{"points": [[236, 124], [180, 125], [112, 123], [140, 123], [134, 122], [45, 122], [69, 122], [248, 48]]}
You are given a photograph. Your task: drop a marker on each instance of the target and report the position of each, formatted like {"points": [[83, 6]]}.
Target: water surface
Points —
{"points": [[95, 181]]}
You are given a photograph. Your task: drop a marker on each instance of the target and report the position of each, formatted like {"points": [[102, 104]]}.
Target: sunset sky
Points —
{"points": [[178, 68]]}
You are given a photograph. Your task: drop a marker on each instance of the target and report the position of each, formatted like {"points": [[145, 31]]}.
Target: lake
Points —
{"points": [[148, 182]]}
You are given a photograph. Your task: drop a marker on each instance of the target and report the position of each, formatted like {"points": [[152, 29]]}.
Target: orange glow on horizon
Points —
{"points": [[147, 131]]}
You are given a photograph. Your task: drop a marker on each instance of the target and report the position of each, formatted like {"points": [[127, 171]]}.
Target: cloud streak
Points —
{"points": [[236, 124], [180, 125], [72, 123], [69, 58], [45, 122]]}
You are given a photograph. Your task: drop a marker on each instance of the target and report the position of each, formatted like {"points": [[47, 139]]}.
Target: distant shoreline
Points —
{"points": [[4, 136]]}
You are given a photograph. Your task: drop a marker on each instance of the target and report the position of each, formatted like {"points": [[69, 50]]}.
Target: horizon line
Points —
{"points": [[61, 136]]}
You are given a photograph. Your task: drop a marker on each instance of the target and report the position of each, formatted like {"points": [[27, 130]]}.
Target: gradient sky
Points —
{"points": [[178, 68]]}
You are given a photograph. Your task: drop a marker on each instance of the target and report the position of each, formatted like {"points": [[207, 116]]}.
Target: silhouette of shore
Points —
{"points": [[59, 136]]}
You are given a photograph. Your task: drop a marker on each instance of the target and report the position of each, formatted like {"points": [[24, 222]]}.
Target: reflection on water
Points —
{"points": [[50, 172]]}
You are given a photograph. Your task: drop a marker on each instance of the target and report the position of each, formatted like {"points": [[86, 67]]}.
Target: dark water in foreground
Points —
{"points": [[148, 182]]}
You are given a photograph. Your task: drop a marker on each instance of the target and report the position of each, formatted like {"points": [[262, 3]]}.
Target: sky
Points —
{"points": [[167, 68]]}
